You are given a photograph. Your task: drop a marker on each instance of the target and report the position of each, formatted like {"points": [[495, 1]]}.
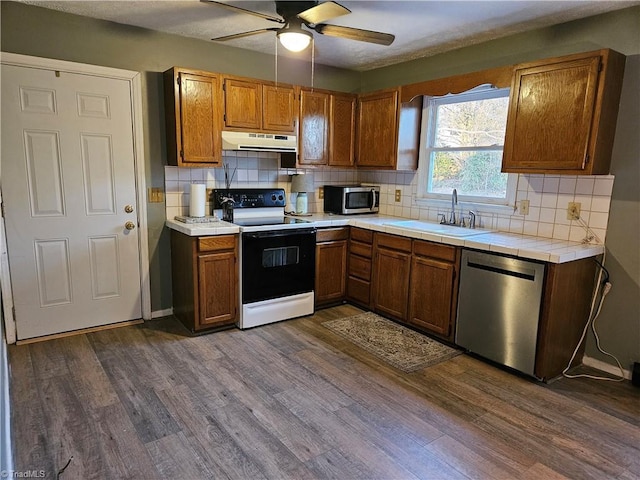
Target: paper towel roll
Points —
{"points": [[197, 200]]}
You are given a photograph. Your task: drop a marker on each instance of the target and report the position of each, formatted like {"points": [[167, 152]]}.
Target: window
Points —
{"points": [[462, 147]]}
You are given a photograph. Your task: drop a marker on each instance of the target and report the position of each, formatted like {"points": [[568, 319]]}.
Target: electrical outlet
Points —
{"points": [[523, 209], [320, 193], [398, 195], [573, 211], [155, 195]]}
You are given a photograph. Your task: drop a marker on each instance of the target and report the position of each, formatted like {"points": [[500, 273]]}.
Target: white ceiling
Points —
{"points": [[422, 27]]}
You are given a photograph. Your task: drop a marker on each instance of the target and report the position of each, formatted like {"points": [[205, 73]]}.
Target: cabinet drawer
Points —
{"points": [[216, 243], [331, 234], [362, 235], [361, 249], [434, 250], [359, 267], [358, 290], [393, 242]]}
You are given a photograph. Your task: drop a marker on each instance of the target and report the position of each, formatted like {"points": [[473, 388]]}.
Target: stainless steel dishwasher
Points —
{"points": [[499, 308]]}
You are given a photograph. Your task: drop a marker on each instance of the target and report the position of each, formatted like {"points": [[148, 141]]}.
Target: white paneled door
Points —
{"points": [[69, 192]]}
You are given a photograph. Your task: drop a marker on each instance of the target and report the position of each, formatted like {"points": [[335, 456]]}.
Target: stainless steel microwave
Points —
{"points": [[350, 199]]}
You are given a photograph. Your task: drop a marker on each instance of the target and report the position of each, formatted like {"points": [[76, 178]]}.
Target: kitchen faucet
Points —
{"points": [[454, 202]]}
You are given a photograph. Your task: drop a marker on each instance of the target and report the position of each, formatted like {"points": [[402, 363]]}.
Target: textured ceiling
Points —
{"points": [[422, 28]]}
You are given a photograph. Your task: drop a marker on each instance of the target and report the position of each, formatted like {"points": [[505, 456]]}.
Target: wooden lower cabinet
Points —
{"points": [[391, 275], [205, 280], [434, 288], [416, 283], [331, 265], [566, 302], [359, 267]]}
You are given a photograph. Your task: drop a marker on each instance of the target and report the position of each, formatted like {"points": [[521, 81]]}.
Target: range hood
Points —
{"points": [[259, 142]]}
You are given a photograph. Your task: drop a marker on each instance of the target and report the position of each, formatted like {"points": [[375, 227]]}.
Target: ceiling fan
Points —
{"points": [[311, 14]]}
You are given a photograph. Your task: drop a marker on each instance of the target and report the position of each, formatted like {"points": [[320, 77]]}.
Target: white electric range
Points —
{"points": [[277, 256]]}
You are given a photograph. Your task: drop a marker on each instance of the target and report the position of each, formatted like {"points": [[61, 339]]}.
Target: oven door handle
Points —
{"points": [[280, 233]]}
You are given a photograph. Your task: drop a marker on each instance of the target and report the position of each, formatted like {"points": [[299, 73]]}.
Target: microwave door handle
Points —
{"points": [[373, 200]]}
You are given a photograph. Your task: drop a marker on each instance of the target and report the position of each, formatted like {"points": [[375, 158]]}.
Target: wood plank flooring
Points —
{"points": [[293, 400]]}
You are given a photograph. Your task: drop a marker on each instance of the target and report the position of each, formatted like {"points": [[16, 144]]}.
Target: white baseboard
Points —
{"points": [[162, 313], [605, 367]]}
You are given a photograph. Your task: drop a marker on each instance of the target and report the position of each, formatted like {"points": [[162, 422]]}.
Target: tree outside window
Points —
{"points": [[463, 145]]}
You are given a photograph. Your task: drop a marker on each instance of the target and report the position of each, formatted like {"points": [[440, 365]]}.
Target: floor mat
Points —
{"points": [[400, 347]]}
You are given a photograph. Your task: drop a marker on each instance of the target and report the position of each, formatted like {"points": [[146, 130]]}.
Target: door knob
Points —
{"points": [[128, 208], [129, 225]]}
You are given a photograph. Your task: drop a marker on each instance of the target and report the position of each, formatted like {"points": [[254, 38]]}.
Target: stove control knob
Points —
{"points": [[273, 198], [280, 197]]}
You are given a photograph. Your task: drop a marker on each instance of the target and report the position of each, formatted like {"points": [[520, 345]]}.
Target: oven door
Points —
{"points": [[277, 263]]}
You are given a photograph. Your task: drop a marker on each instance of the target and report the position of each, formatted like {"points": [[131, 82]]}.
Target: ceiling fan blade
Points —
{"points": [[244, 34], [244, 10], [355, 34], [323, 12]]}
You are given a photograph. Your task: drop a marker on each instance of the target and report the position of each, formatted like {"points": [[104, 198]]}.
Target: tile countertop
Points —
{"points": [[524, 246], [201, 229]]}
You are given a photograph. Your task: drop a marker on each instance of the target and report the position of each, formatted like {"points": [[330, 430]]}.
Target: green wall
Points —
{"points": [[619, 30], [47, 33], [619, 323], [35, 31]]}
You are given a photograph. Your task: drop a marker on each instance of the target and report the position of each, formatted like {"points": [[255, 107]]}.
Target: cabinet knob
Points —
{"points": [[128, 208], [129, 225]]}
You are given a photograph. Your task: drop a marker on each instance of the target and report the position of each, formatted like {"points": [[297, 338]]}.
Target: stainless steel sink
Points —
{"points": [[436, 228]]}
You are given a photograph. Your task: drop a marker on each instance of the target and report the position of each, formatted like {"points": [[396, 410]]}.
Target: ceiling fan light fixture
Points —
{"points": [[294, 38]]}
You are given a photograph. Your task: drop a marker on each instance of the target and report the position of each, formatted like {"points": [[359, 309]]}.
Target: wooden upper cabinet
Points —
{"points": [[193, 116], [327, 128], [314, 128], [562, 114], [342, 129], [377, 129], [242, 104], [279, 108], [258, 106]]}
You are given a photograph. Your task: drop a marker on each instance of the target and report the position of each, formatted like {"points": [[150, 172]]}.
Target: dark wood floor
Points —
{"points": [[294, 400]]}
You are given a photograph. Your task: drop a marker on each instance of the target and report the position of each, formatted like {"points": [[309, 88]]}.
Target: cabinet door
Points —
{"points": [[242, 104], [432, 287], [278, 109], [314, 128], [377, 129], [200, 127], [331, 275], [550, 117], [391, 282], [342, 130], [217, 288]]}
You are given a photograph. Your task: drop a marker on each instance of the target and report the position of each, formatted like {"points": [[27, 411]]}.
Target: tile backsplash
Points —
{"points": [[548, 195]]}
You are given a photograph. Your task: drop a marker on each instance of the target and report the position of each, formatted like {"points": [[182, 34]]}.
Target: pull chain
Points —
{"points": [[313, 60], [276, 75]]}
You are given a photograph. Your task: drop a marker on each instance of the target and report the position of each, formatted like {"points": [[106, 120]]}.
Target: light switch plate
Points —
{"points": [[398, 195], [155, 195]]}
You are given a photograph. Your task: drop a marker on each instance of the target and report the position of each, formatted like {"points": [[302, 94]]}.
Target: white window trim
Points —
{"points": [[438, 200]]}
